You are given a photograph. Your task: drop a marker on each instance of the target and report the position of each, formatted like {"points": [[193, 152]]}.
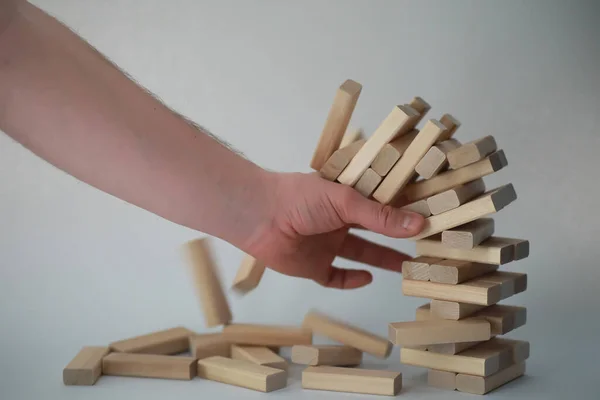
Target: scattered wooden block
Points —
{"points": [[349, 335], [404, 170], [242, 373], [482, 206], [208, 285], [248, 275], [337, 122], [391, 153], [441, 379], [352, 380], [400, 121], [266, 335], [149, 366], [455, 197], [208, 345], [453, 310], [420, 207], [451, 124], [435, 159], [471, 152], [168, 341], [434, 331], [455, 271], [339, 160], [368, 182], [449, 179], [418, 268], [333, 355], [258, 355], [469, 235], [351, 137], [86, 367], [482, 385]]}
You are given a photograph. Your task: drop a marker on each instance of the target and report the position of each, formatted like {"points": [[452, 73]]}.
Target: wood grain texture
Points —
{"points": [[451, 124], [469, 235], [258, 355], [368, 182], [168, 341], [482, 385], [149, 366], [266, 335], [435, 331], [209, 288], [336, 123], [471, 152], [453, 309], [494, 250], [455, 271], [86, 367], [339, 160], [404, 170], [441, 379], [391, 153], [208, 345], [418, 268], [352, 380], [435, 160], [455, 197], [420, 207], [333, 355], [242, 373], [248, 275], [347, 334]]}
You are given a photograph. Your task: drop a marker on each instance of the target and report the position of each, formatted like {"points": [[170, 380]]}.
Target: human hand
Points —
{"points": [[308, 226]]}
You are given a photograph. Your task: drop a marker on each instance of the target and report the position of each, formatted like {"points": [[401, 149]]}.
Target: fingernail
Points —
{"points": [[411, 221]]}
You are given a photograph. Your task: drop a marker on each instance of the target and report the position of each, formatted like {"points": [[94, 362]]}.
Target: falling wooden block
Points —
{"points": [[266, 335], [242, 373], [455, 271], [434, 331], [391, 153], [346, 334], [337, 122], [489, 203], [169, 341], [449, 179], [248, 275], [435, 159], [469, 235], [455, 197], [451, 124], [208, 285], [208, 345], [149, 366], [339, 160], [441, 379], [368, 182], [453, 310], [420, 207], [352, 380], [258, 355], [404, 170], [400, 121], [482, 385], [471, 152], [86, 367], [418, 268], [351, 137], [333, 355]]}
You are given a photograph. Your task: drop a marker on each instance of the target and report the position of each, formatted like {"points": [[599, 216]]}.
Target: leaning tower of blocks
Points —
{"points": [[408, 163]]}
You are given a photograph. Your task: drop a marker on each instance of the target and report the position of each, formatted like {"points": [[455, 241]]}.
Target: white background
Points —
{"points": [[79, 267]]}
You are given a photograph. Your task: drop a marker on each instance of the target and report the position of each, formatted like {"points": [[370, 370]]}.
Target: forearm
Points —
{"points": [[70, 106]]}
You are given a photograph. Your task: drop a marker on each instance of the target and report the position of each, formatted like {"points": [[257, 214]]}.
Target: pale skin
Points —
{"points": [[67, 104]]}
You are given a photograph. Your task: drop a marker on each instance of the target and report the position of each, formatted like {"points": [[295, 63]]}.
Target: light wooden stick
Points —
{"points": [[420, 207], [471, 152], [248, 275], [441, 379], [334, 355], [168, 341], [482, 385], [418, 268], [451, 124], [86, 367], [258, 355], [266, 335], [208, 345], [351, 137], [455, 271], [455, 197], [391, 153], [469, 235], [435, 159], [339, 160], [368, 182], [149, 366], [452, 309], [242, 373], [352, 380], [434, 331]]}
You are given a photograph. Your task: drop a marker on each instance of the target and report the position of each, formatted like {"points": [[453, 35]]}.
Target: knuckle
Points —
{"points": [[385, 215]]}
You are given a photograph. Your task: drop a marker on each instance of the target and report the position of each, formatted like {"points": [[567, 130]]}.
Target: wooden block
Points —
{"points": [[391, 153], [489, 203], [494, 250], [242, 373], [451, 124], [352, 380], [435, 159], [400, 121], [510, 283], [266, 335], [149, 366], [404, 170], [208, 285], [418, 268], [503, 318], [434, 331], [471, 152], [452, 348], [368, 182], [449, 179], [482, 385], [420, 105], [86, 367], [208, 345], [258, 355], [453, 310], [351, 137], [346, 334], [455, 271], [441, 379], [337, 122], [334, 355], [455, 197], [520, 246], [423, 313], [469, 235], [248, 275], [339, 160], [420, 207], [169, 341]]}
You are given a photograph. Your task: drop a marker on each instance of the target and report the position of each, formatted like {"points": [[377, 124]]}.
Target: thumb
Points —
{"points": [[353, 208]]}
